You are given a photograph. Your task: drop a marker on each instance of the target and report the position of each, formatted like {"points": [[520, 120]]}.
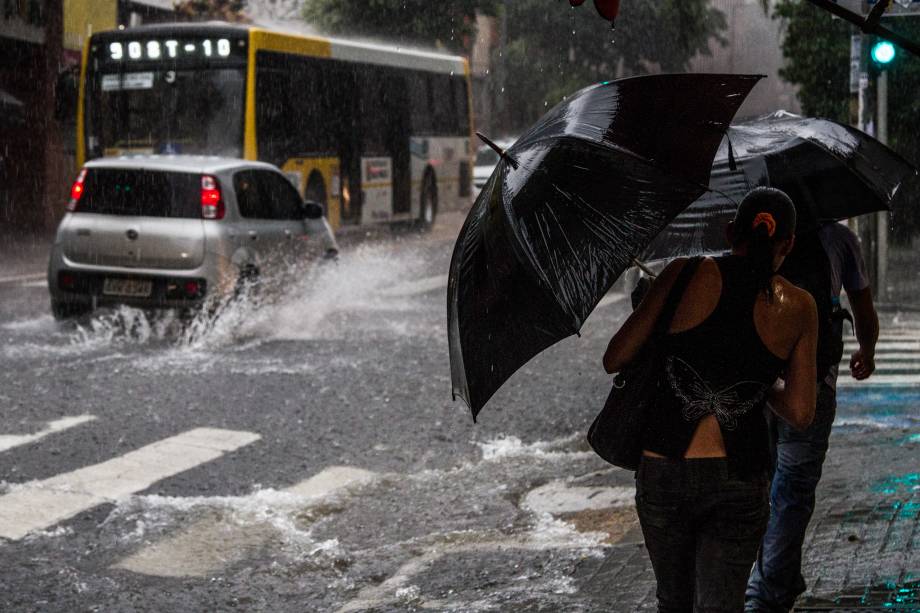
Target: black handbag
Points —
{"points": [[616, 434]]}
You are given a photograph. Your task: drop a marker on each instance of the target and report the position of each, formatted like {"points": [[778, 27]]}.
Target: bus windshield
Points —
{"points": [[195, 111]]}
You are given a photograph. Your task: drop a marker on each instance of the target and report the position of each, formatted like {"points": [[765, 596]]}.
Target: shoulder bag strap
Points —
{"points": [[674, 296]]}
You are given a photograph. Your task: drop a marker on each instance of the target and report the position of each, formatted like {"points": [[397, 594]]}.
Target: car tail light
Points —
{"points": [[76, 191], [66, 280], [192, 288], [212, 204]]}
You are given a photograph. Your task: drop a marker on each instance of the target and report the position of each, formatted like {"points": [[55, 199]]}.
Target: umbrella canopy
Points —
{"points": [[567, 209], [831, 172]]}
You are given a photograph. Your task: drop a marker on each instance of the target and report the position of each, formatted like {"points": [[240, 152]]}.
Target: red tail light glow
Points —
{"points": [[212, 203], [76, 191]]}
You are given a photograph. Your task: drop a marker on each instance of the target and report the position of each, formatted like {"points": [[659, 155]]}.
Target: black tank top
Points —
{"points": [[720, 367]]}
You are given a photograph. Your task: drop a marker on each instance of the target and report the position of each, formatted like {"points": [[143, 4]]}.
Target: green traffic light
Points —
{"points": [[883, 52]]}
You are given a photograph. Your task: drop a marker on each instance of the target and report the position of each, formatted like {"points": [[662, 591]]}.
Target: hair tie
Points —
{"points": [[767, 220]]}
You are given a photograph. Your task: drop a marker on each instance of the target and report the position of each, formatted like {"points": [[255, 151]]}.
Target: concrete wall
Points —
{"points": [[753, 46]]}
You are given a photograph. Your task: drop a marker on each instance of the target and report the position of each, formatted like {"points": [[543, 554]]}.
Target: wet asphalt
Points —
{"points": [[345, 367], [367, 489]]}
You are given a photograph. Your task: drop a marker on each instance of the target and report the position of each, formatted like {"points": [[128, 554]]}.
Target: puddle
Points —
{"points": [[887, 596], [371, 291]]}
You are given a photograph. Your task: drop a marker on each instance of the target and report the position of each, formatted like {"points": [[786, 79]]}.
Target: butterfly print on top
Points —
{"points": [[700, 399]]}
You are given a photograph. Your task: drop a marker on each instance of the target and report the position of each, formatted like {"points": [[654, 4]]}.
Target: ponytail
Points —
{"points": [[760, 259], [765, 217]]}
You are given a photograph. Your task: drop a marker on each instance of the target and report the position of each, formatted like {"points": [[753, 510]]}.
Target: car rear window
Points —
{"points": [[147, 193]]}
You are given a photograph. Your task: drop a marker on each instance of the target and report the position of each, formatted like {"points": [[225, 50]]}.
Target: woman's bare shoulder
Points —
{"points": [[793, 299]]}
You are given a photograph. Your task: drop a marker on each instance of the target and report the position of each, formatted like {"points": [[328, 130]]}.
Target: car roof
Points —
{"points": [[177, 163]]}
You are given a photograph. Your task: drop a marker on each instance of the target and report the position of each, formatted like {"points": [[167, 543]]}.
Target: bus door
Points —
{"points": [[397, 110], [383, 167]]}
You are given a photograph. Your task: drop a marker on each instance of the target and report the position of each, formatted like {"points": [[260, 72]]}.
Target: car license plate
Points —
{"points": [[134, 288]]}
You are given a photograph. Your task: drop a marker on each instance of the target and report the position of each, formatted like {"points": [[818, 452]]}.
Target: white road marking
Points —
{"points": [[39, 283], [413, 288], [37, 505], [21, 278], [911, 380], [386, 593], [897, 360], [8, 441], [560, 497], [208, 545], [610, 299]]}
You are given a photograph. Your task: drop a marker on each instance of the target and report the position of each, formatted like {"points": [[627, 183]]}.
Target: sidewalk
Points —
{"points": [[862, 550]]}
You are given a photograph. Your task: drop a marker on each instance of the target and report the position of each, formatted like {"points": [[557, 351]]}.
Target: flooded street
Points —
{"points": [[303, 453]]}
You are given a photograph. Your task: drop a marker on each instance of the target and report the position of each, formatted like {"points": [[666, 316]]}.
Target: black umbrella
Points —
{"points": [[831, 172], [568, 208]]}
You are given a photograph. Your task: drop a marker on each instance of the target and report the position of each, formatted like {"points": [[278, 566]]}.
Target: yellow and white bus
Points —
{"points": [[376, 134]]}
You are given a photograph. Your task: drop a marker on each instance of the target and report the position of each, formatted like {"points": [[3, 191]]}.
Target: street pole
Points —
{"points": [[882, 221]]}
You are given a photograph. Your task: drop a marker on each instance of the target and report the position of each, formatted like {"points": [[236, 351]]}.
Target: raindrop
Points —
{"points": [[451, 73], [487, 71], [503, 90], [545, 103], [573, 32]]}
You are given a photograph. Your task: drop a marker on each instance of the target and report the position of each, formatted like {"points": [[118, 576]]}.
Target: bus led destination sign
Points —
{"points": [[170, 48]]}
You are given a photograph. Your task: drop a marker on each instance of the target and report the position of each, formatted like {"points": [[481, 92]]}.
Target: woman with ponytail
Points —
{"points": [[701, 487]]}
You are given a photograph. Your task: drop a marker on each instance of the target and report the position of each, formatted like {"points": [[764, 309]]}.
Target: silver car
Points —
{"points": [[176, 231]]}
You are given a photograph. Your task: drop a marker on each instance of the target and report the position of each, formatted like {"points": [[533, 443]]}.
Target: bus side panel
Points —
{"points": [[445, 156], [441, 139], [318, 179]]}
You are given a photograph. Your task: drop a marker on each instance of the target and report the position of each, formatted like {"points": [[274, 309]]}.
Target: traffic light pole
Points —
{"points": [[882, 223], [870, 25]]}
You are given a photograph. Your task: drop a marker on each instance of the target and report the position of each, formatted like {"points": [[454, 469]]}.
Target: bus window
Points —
{"points": [[445, 113], [283, 199], [273, 115], [166, 111], [461, 104], [420, 104]]}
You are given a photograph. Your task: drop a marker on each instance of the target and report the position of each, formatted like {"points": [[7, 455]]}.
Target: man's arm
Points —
{"points": [[865, 319]]}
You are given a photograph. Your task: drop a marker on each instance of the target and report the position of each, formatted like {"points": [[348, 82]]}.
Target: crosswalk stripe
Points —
{"points": [[897, 359], [610, 299], [8, 441], [881, 380], [208, 545], [20, 278], [37, 505]]}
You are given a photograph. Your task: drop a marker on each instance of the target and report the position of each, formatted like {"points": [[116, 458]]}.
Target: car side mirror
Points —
{"points": [[310, 209]]}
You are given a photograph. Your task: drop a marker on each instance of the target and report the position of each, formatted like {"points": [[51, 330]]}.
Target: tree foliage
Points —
{"points": [[554, 50], [447, 25], [224, 10], [817, 52], [550, 50]]}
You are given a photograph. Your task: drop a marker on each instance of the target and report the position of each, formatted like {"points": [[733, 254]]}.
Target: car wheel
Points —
{"points": [[428, 210], [66, 309]]}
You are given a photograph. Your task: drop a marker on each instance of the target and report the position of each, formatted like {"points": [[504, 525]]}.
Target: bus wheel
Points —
{"points": [[428, 210]]}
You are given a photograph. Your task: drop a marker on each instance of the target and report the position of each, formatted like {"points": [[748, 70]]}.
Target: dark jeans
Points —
{"points": [[776, 580], [702, 524]]}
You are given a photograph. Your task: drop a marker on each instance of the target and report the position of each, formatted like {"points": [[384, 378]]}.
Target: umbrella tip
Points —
{"points": [[732, 164], [502, 153]]}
